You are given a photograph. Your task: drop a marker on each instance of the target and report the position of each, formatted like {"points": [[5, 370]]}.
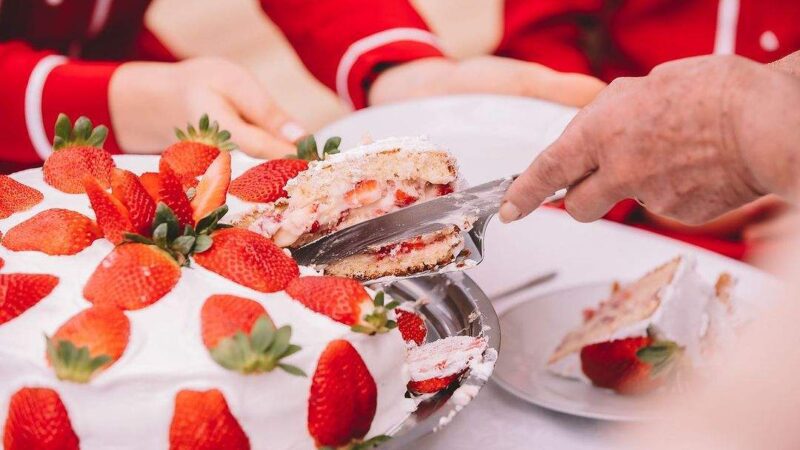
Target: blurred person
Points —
{"points": [[97, 58]]}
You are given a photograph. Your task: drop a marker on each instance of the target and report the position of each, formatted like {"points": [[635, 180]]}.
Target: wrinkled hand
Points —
{"points": [[692, 140], [148, 100], [485, 75]]}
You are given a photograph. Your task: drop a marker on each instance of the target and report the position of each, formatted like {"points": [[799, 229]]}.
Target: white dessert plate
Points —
{"points": [[531, 330]]}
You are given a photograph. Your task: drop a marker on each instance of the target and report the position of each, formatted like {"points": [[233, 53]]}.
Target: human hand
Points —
{"points": [[692, 140], [484, 74], [147, 100]]}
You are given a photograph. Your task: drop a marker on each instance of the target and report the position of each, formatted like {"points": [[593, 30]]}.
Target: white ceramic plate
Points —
{"points": [[494, 136], [531, 331]]}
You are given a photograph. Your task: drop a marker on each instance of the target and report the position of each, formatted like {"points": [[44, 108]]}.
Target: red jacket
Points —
{"points": [[59, 55]]}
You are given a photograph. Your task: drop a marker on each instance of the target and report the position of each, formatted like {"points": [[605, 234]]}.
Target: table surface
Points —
{"points": [[496, 136]]}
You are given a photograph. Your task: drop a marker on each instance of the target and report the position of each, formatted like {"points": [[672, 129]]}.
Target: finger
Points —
{"points": [[592, 197], [251, 139], [565, 162], [259, 108]]}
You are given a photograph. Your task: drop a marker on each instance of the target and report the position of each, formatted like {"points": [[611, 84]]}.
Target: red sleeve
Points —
{"points": [[547, 32], [36, 87], [346, 43]]}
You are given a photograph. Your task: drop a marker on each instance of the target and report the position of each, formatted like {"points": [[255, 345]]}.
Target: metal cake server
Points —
{"points": [[480, 203]]}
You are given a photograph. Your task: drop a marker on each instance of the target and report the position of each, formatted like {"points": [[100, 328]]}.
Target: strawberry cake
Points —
{"points": [[132, 315], [350, 187], [649, 331]]}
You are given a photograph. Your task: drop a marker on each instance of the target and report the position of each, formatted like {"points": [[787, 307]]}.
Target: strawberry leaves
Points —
{"points": [[377, 321], [661, 354], [260, 351], [307, 148], [362, 445], [82, 134], [207, 132], [73, 363], [168, 236]]}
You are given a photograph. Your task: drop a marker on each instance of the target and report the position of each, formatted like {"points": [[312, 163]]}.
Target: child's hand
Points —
{"points": [[148, 100]]}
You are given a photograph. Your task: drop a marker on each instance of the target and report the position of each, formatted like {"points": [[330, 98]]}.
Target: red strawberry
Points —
{"points": [[213, 187], [402, 199], [77, 152], [412, 326], [37, 419], [2, 261], [170, 192], [264, 183], [343, 300], [343, 397], [103, 330], [20, 291], [150, 183], [235, 331], [249, 259], [112, 216], [203, 421], [16, 197], [127, 188], [629, 366], [54, 232], [223, 315], [433, 385], [132, 276], [195, 150]]}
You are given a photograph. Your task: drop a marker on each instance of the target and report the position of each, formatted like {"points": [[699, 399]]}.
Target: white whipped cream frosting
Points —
{"points": [[130, 404]]}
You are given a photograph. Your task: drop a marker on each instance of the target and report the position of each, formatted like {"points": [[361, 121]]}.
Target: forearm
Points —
{"points": [[766, 128]]}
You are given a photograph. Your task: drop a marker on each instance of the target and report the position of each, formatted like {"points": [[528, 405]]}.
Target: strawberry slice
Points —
{"points": [[343, 300], [634, 365], [16, 197], [170, 192], [21, 291], [132, 276], [213, 187], [127, 188], [37, 419], [151, 184], [195, 150], [264, 183], [112, 216], [365, 192], [436, 365], [403, 199], [342, 400], [89, 342], [249, 259], [412, 326], [54, 232], [203, 421], [241, 336], [433, 385], [77, 153]]}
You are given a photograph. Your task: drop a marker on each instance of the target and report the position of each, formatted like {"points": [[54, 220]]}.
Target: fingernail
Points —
{"points": [[509, 212], [292, 131]]}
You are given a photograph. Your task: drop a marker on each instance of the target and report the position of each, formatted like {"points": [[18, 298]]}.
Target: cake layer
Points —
{"points": [[130, 405]]}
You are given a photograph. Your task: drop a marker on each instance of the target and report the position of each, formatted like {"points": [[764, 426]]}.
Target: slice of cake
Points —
{"points": [[647, 329], [360, 184]]}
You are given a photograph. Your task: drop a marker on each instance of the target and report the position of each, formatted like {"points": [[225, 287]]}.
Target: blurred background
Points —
{"points": [[240, 31]]}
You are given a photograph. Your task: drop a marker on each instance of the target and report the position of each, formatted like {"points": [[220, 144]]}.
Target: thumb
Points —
{"points": [[565, 162]]}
